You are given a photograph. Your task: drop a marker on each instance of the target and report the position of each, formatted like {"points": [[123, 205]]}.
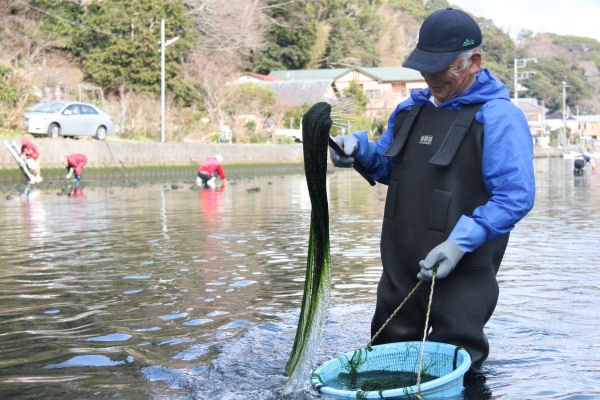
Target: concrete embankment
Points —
{"points": [[121, 154], [103, 154]]}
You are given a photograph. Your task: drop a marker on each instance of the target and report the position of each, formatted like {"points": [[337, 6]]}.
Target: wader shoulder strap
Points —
{"points": [[445, 153], [402, 126]]}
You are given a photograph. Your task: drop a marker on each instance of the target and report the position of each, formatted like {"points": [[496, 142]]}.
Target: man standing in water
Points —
{"points": [[458, 159]]}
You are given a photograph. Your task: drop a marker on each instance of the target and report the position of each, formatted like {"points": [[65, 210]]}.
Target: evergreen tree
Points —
{"points": [[124, 44], [418, 9], [498, 50], [546, 84], [353, 32], [359, 98], [291, 38], [320, 34]]}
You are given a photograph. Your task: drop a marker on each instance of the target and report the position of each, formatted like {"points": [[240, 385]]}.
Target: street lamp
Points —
{"points": [[521, 62], [163, 44], [563, 131]]}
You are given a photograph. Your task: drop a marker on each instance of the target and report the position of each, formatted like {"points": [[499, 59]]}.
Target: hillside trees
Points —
{"points": [[24, 39], [419, 9], [354, 29], [291, 36], [498, 51], [228, 36], [14, 93], [115, 42], [320, 34], [546, 84], [574, 60], [233, 32], [130, 54]]}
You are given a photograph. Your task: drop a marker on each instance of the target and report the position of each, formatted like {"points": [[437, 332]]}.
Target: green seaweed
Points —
{"points": [[378, 381], [316, 124], [352, 364]]}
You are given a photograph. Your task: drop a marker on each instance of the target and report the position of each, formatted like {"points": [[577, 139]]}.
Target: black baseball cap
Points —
{"points": [[443, 35]]}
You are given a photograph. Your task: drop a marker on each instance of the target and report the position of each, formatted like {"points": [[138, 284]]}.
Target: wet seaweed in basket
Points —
{"points": [[377, 380]]}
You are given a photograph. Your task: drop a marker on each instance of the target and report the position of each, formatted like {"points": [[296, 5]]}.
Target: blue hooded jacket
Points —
{"points": [[507, 160]]}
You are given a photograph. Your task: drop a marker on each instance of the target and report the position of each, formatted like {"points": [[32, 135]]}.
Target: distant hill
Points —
{"points": [[109, 44], [580, 60], [575, 60]]}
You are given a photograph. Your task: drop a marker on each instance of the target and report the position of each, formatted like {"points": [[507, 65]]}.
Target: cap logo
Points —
{"points": [[468, 42]]}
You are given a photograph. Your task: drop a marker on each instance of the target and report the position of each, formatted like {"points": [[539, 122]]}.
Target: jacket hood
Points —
{"points": [[485, 88]]}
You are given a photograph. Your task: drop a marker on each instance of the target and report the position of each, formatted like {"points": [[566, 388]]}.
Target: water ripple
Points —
{"points": [[147, 292]]}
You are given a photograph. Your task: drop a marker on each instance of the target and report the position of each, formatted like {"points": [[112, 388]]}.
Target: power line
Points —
{"points": [[68, 21]]}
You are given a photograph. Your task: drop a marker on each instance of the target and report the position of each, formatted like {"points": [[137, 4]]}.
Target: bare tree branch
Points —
{"points": [[25, 36], [210, 80], [232, 31]]}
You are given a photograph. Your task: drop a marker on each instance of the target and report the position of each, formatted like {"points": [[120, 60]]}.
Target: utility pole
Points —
{"points": [[521, 63], [162, 77], [564, 114], [544, 116]]}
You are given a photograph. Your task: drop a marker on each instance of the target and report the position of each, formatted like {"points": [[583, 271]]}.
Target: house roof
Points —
{"points": [[530, 107], [309, 74], [299, 92], [381, 74], [260, 76], [557, 115], [392, 74]]}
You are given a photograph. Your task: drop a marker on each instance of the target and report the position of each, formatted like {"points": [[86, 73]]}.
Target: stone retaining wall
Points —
{"points": [[136, 154]]}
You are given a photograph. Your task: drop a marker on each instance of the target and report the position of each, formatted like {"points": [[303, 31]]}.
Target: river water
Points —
{"points": [[165, 292]]}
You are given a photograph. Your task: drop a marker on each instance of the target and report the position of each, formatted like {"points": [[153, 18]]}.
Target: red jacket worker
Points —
{"points": [[74, 164], [208, 171], [30, 155]]}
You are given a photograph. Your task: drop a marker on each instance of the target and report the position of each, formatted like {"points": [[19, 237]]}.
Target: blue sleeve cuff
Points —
{"points": [[468, 234], [369, 155], [363, 145]]}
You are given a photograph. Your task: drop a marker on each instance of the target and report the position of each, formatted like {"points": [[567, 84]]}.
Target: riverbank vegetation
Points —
{"points": [[108, 52]]}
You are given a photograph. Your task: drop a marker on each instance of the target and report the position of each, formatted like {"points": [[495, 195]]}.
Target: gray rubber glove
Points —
{"points": [[349, 144], [445, 255]]}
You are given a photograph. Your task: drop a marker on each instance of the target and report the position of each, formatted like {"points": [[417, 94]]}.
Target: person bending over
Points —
{"points": [[209, 170], [31, 157], [74, 164]]}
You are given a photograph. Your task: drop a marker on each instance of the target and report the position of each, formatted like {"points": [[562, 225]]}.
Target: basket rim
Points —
{"points": [[435, 384]]}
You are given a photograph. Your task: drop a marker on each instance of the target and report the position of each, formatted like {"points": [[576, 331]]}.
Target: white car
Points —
{"points": [[68, 118]]}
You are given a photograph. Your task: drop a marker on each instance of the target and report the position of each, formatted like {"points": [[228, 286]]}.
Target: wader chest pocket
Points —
{"points": [[438, 210]]}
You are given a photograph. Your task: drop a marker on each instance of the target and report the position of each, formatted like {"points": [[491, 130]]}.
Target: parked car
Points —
{"points": [[68, 118]]}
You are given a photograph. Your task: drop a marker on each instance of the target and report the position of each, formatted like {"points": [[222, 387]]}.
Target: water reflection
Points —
{"points": [[33, 214], [179, 293], [212, 203], [76, 193]]}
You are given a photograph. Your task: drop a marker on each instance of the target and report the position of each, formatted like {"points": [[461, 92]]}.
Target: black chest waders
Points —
{"points": [[436, 178]]}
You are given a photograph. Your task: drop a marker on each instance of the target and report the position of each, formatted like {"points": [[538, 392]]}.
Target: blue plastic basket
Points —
{"points": [[438, 360]]}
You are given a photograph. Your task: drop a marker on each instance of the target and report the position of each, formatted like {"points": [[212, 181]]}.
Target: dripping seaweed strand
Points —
{"points": [[316, 124]]}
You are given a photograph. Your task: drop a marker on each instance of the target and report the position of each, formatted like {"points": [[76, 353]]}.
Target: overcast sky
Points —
{"points": [[563, 17]]}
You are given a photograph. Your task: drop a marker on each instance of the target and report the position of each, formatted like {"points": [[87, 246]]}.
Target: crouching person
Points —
{"points": [[74, 164], [209, 170]]}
